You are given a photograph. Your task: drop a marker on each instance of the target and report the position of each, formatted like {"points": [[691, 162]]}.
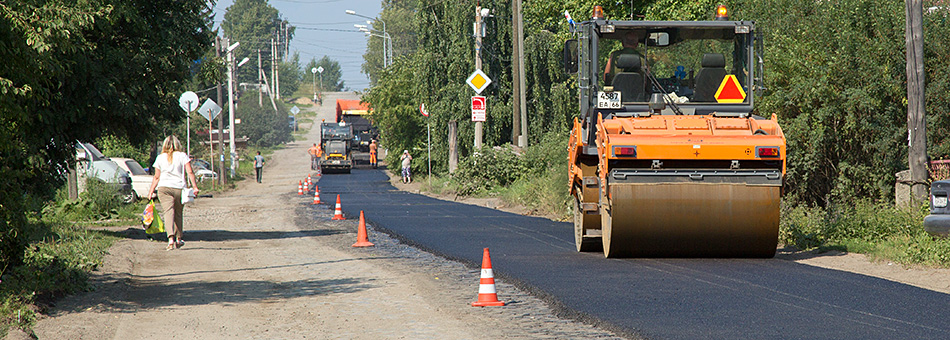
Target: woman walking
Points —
{"points": [[170, 169]]}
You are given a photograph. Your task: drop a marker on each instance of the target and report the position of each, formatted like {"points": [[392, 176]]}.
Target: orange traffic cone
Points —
{"points": [[486, 286], [316, 195], [362, 240], [338, 211], [299, 188]]}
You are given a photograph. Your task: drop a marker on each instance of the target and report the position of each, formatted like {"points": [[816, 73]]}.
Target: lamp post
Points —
{"points": [[231, 70], [231, 101], [387, 52], [387, 57]]}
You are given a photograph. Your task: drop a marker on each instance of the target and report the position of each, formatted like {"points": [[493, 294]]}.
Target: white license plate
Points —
{"points": [[940, 201], [336, 162], [608, 100]]}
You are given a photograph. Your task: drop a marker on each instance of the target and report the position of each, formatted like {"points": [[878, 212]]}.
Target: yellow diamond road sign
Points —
{"points": [[478, 81]]}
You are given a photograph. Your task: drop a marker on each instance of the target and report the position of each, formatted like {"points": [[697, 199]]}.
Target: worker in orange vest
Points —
{"points": [[372, 153], [315, 153]]}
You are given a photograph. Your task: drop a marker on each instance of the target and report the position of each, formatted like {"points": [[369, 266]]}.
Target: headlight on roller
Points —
{"points": [[940, 201]]}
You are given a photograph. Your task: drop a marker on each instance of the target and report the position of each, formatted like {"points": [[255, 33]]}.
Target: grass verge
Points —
{"points": [[60, 252], [880, 230]]}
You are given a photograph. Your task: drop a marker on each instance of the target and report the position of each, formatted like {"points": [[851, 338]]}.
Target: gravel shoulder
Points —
{"points": [[262, 262]]}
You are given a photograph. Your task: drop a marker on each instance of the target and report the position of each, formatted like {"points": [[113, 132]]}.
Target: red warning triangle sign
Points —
{"points": [[730, 91]]}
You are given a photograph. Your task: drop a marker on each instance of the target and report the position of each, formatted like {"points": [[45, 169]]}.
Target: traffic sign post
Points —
{"points": [[479, 108], [188, 102], [424, 112], [210, 110], [479, 81], [295, 110]]}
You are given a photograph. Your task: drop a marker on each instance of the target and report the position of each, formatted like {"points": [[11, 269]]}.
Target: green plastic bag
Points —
{"points": [[152, 220]]}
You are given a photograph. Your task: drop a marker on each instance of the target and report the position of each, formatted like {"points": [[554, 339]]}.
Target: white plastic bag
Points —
{"points": [[187, 195]]}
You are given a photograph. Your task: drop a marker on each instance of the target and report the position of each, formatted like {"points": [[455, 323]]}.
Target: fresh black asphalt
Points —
{"points": [[652, 298]]}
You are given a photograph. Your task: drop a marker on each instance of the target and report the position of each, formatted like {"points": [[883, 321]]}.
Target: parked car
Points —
{"points": [[141, 180], [91, 163], [938, 222], [202, 169]]}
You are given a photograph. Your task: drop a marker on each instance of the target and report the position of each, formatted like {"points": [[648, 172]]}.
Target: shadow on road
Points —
{"points": [[153, 293], [227, 235]]}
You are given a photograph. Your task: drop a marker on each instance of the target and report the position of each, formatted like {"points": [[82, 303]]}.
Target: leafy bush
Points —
{"points": [[874, 228], [112, 146], [490, 168], [98, 202]]}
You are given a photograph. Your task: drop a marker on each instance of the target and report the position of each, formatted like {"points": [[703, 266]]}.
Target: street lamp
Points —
{"points": [[387, 56]]}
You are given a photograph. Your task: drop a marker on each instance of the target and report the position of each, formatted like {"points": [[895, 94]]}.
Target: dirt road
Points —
{"points": [[260, 262]]}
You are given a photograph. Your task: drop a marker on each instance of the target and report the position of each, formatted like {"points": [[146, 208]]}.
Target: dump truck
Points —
{"points": [[356, 114], [668, 157], [336, 140]]}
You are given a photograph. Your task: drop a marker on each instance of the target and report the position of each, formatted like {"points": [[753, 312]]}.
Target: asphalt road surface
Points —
{"points": [[652, 298]]}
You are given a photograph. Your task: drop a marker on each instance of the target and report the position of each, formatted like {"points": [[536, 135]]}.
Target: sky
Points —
{"points": [[323, 28]]}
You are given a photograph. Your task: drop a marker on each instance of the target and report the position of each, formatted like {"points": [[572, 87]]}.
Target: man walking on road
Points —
{"points": [[372, 153], [259, 165]]}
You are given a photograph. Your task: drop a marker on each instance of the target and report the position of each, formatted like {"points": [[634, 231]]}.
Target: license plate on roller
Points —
{"points": [[608, 100], [336, 162]]}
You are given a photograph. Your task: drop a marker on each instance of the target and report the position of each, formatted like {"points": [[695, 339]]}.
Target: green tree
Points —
{"points": [[261, 124], [400, 30], [432, 69], [79, 70], [331, 77], [290, 76], [254, 23]]}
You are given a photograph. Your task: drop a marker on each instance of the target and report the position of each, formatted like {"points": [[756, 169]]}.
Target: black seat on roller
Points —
{"points": [[629, 81], [709, 77]]}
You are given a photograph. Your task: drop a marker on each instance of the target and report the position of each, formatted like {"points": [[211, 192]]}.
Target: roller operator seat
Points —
{"points": [[709, 77], [630, 80]]}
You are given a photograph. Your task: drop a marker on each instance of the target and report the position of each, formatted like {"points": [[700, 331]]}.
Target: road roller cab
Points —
{"points": [[668, 157]]}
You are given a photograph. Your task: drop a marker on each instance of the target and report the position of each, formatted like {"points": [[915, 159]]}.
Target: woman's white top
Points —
{"points": [[172, 174]]}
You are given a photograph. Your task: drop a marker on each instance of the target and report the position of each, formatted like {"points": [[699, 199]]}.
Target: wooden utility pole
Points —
{"points": [[519, 126], [478, 66], [453, 147], [515, 72], [916, 116]]}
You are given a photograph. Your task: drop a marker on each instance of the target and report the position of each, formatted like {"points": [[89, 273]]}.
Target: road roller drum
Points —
{"points": [[690, 220]]}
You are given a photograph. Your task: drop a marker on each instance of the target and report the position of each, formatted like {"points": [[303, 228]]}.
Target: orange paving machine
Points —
{"points": [[668, 157]]}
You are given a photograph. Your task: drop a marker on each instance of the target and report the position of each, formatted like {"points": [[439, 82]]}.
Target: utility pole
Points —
{"points": [[260, 80], [273, 80], [231, 107], [519, 128], [916, 116], [277, 49], [478, 66], [221, 180]]}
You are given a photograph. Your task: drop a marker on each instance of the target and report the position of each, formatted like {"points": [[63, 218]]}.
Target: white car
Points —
{"points": [[202, 169], [141, 180]]}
